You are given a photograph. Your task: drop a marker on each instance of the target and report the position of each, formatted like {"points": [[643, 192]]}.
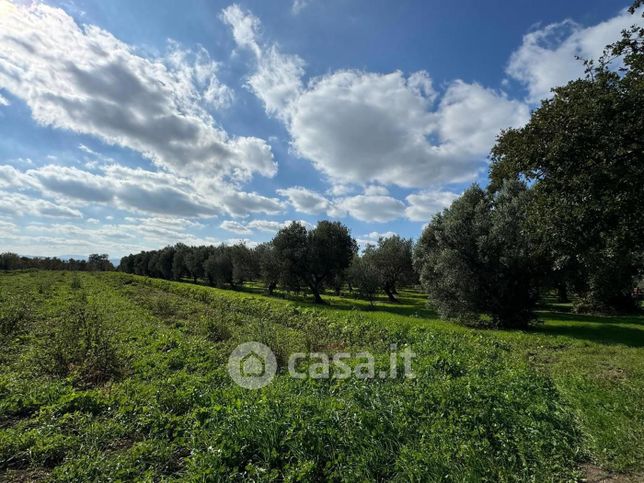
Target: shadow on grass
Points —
{"points": [[559, 318], [610, 330], [409, 304]]}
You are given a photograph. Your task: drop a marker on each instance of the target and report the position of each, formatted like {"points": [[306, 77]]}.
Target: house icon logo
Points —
{"points": [[252, 365]]}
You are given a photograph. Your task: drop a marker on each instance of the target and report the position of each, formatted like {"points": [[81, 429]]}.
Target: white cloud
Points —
{"points": [[374, 205], [239, 203], [376, 190], [19, 204], [470, 118], [305, 200], [372, 208], [4, 101], [235, 227], [267, 226], [130, 236], [359, 127], [546, 57], [277, 80], [424, 205], [244, 26], [341, 189], [12, 177], [141, 190], [197, 72], [83, 79]]}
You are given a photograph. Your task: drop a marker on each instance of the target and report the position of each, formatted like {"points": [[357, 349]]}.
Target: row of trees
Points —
{"points": [[95, 262], [325, 257], [564, 208]]}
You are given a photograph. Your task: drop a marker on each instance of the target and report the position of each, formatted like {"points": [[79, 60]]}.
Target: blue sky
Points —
{"points": [[129, 125]]}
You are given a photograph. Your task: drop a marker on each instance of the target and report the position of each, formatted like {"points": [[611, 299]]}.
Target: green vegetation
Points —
{"points": [[121, 377], [582, 153]]}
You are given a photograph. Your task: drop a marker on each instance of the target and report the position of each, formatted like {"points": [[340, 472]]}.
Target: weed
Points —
{"points": [[80, 344], [76, 283], [16, 312], [478, 409]]}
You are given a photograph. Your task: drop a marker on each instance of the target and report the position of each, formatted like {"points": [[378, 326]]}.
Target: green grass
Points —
{"points": [[134, 386]]}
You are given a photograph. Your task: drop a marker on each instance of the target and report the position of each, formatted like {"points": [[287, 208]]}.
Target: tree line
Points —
{"points": [[95, 263], [297, 259]]}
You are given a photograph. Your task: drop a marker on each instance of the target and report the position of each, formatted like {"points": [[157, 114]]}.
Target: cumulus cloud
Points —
{"points": [[374, 205], [137, 189], [83, 79], [547, 56], [239, 203], [371, 208], [305, 200], [3, 101], [424, 205], [357, 127], [376, 190]]}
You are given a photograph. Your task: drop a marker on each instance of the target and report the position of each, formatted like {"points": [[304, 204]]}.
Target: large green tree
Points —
{"points": [[270, 267], [583, 154], [476, 257], [392, 257], [365, 276], [315, 256]]}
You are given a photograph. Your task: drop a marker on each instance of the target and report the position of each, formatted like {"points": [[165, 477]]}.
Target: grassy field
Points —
{"points": [[117, 377]]}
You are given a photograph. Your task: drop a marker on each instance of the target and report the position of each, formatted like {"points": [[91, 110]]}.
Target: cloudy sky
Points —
{"points": [[132, 124]]}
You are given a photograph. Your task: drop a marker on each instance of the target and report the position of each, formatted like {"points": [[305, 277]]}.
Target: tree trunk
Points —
{"points": [[314, 284], [390, 295], [562, 293], [318, 299]]}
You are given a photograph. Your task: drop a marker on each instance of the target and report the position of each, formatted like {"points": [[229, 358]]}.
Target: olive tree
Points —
{"points": [[476, 257], [317, 256], [583, 154], [392, 257]]}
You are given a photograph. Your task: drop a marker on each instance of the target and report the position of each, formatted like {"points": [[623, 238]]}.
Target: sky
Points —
{"points": [[130, 125]]}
